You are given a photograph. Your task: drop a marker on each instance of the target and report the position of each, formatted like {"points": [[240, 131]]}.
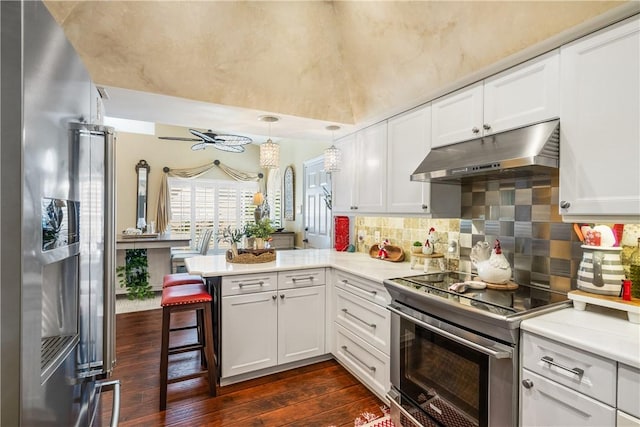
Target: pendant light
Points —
{"points": [[332, 154], [269, 151]]}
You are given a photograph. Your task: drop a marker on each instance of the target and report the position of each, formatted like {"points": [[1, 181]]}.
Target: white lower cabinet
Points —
{"points": [[563, 386], [301, 315], [249, 339], [368, 364], [362, 326], [547, 403], [271, 319]]}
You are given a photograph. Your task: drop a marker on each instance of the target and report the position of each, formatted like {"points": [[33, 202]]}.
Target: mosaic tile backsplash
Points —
{"points": [[521, 212]]}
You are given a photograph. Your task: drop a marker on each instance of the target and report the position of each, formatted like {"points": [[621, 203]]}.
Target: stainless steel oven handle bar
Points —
{"points": [[452, 337]]}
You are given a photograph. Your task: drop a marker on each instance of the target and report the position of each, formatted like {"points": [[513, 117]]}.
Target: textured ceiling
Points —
{"points": [[342, 61]]}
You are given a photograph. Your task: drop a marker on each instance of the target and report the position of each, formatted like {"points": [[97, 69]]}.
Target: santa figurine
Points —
{"points": [[382, 252]]}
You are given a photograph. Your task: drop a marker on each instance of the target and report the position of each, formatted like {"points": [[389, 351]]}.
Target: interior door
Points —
{"points": [[317, 214]]}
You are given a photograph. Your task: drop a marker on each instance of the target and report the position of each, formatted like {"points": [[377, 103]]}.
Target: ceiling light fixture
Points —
{"points": [[269, 151], [332, 154]]}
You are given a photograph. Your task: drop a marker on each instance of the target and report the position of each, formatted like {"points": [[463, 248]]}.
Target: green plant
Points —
{"points": [[232, 235], [134, 274], [417, 243], [261, 229]]}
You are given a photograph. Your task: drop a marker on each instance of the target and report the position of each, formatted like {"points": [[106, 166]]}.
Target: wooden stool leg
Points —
{"points": [[209, 351], [164, 357], [201, 336]]}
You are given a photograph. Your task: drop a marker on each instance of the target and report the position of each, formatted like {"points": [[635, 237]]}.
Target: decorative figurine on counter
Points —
{"points": [[429, 244], [382, 252]]}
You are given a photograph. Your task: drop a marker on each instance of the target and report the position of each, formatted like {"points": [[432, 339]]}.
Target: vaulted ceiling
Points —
{"points": [[333, 61]]}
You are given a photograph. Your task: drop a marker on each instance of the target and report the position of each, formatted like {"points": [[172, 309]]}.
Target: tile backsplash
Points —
{"points": [[521, 212]]}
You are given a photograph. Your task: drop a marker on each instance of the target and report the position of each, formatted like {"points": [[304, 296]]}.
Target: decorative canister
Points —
{"points": [[600, 270]]}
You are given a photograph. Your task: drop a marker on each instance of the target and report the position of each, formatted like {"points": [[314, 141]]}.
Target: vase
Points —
{"points": [[416, 249], [259, 243], [234, 249], [427, 250]]}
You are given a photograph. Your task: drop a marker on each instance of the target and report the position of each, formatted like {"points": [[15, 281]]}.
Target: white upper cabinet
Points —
{"points": [[408, 145], [527, 93], [361, 184], [409, 142], [600, 124], [522, 95], [457, 116]]}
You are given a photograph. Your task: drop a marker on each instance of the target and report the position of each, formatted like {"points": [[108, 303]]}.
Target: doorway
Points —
{"points": [[316, 206]]}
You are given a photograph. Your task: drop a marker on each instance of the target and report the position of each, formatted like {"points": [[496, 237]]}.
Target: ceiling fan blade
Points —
{"points": [[178, 138], [230, 148], [199, 146], [204, 136], [233, 140]]}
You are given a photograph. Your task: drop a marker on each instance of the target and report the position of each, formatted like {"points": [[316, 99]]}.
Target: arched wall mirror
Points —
{"points": [[142, 170]]}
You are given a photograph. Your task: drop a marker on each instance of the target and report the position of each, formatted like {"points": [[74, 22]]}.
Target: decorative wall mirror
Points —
{"points": [[142, 170], [289, 194]]}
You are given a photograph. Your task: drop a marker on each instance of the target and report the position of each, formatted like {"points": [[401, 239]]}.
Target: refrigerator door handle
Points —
{"points": [[109, 351], [115, 406]]}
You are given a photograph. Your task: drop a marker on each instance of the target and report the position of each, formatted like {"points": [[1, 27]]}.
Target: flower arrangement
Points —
{"points": [[261, 229], [233, 236]]}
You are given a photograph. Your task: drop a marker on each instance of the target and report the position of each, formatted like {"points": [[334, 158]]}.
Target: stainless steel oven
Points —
{"points": [[449, 376], [454, 356]]}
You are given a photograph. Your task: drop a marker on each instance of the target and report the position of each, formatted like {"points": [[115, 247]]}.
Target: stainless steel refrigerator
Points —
{"points": [[57, 295]]}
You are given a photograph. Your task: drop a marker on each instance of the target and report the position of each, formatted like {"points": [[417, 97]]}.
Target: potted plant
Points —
{"points": [[260, 231], [233, 236], [416, 248], [134, 274]]}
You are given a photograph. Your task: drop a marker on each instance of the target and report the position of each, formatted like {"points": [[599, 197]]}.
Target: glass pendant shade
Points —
{"points": [[269, 155], [332, 159]]}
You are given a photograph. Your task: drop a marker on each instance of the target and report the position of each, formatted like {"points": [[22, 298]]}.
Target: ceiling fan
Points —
{"points": [[232, 143]]}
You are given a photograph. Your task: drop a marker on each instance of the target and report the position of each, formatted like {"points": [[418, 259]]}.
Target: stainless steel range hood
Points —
{"points": [[527, 151]]}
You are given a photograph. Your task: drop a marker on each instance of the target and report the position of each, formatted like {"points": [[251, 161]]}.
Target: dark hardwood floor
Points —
{"points": [[323, 394]]}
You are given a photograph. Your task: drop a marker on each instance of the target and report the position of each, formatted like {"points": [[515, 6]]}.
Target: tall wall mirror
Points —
{"points": [[142, 171]]}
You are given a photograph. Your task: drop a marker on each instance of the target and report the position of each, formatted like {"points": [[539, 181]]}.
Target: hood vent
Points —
{"points": [[528, 151]]}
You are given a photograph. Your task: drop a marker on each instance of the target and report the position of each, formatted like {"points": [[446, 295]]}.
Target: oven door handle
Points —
{"points": [[482, 349]]}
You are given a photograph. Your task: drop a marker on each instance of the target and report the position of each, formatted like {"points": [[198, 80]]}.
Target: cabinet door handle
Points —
{"points": [[294, 279], [259, 283], [346, 282], [576, 371], [475, 130], [486, 126], [527, 383], [273, 297], [564, 204], [357, 359], [371, 325], [425, 207], [281, 296]]}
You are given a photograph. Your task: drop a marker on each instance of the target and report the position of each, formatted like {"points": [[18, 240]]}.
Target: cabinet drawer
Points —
{"points": [[579, 370], [371, 291], [301, 278], [629, 390], [368, 364], [547, 403], [249, 284], [365, 319]]}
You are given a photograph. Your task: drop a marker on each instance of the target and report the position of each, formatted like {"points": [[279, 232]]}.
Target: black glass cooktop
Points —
{"points": [[497, 301]]}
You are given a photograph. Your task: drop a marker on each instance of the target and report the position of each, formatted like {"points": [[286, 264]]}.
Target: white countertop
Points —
{"points": [[356, 263], [601, 331]]}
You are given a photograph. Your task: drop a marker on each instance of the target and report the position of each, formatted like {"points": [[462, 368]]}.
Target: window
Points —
{"points": [[197, 204]]}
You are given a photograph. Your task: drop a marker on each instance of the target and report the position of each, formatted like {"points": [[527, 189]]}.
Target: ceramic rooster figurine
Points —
{"points": [[492, 267], [429, 244]]}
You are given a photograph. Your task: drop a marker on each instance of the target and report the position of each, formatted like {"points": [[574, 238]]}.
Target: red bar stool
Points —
{"points": [[191, 297], [176, 279]]}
